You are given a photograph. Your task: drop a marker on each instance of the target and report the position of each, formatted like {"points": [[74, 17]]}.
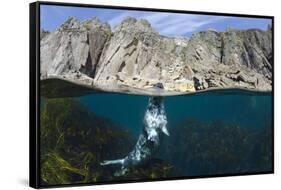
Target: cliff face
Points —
{"points": [[133, 56]]}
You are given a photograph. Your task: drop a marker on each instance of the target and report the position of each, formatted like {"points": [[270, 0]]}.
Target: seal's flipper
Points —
{"points": [[165, 130], [109, 162]]}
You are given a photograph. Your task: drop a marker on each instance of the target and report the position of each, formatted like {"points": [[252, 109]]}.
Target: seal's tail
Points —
{"points": [[109, 162]]}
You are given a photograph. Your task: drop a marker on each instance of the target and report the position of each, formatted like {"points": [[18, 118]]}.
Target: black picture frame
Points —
{"points": [[34, 90]]}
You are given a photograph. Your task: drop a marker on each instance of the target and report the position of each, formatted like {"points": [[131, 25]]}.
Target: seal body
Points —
{"points": [[155, 124]]}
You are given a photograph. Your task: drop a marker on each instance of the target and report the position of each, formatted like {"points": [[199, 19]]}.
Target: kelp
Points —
{"points": [[55, 169], [155, 169], [74, 141], [210, 148]]}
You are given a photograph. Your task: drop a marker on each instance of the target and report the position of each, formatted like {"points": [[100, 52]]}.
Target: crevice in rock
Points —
{"points": [[133, 42], [103, 51], [136, 61], [87, 68], [123, 64], [222, 48], [117, 49], [148, 61], [107, 62], [198, 56], [130, 53], [89, 65], [197, 84], [118, 78]]}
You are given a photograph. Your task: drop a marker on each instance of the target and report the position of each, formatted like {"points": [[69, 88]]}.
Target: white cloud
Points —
{"points": [[179, 24], [118, 19], [171, 24]]}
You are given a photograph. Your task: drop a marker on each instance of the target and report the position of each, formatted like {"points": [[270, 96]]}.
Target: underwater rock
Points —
{"points": [[133, 57], [74, 140], [211, 148], [154, 169]]}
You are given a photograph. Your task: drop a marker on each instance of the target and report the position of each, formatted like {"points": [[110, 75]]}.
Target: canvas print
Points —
{"points": [[140, 95]]}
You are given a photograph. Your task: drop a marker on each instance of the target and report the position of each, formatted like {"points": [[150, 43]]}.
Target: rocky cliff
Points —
{"points": [[133, 56]]}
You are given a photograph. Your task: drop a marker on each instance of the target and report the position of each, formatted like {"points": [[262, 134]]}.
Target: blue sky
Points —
{"points": [[169, 24]]}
